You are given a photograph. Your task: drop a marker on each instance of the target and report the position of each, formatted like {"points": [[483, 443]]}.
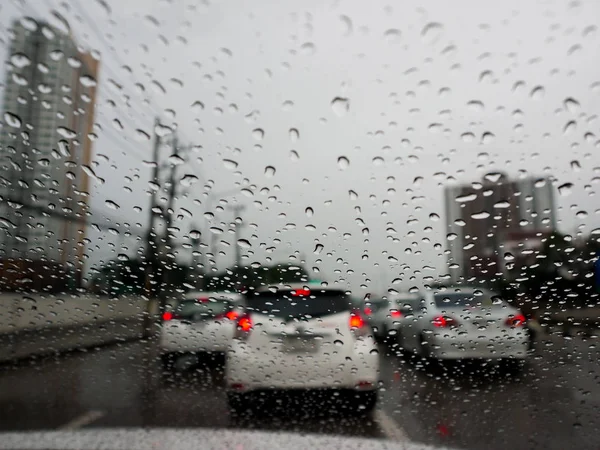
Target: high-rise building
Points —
{"points": [[45, 145], [496, 223]]}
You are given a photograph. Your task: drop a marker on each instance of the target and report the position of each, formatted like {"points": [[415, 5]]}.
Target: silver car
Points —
{"points": [[457, 323]]}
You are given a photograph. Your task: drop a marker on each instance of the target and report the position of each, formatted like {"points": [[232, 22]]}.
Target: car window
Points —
{"points": [[202, 308], [299, 303], [467, 300]]}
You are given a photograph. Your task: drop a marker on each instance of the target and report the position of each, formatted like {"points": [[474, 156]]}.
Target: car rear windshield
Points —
{"points": [[466, 300], [202, 308], [293, 304], [377, 304]]}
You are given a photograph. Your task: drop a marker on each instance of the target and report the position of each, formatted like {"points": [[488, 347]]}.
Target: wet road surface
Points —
{"points": [[553, 404]]}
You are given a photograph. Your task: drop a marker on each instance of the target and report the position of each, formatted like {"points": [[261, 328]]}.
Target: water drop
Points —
{"points": [[392, 35], [318, 249], [434, 217], [63, 147], [244, 243], [467, 137], [537, 93], [378, 161], [258, 134], [294, 134], [570, 127], [343, 162], [197, 106], [475, 105], [432, 32], [487, 137], [346, 25], [340, 106], [20, 60], [230, 164], [112, 205], [309, 212], [435, 127], [571, 105], [189, 179], [12, 120], [66, 132], [353, 195], [451, 236], [565, 189], [216, 230], [308, 49], [176, 160], [480, 215], [294, 155], [87, 81], [269, 171]]}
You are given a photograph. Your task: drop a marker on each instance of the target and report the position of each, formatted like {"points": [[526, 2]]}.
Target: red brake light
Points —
{"points": [[167, 315], [245, 323], [300, 293], [518, 320], [443, 322], [356, 321], [232, 315], [368, 311], [203, 299], [395, 313]]}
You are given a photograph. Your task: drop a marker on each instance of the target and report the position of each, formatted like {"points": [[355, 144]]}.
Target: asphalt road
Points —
{"points": [[552, 404]]}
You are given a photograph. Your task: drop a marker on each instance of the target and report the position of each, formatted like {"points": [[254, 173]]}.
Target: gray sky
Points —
{"points": [[419, 79]]}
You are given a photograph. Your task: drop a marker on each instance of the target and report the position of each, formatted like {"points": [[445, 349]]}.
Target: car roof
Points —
{"points": [[462, 289], [293, 286], [216, 294]]}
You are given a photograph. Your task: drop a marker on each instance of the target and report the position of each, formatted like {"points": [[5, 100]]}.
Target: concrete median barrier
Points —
{"points": [[42, 324]]}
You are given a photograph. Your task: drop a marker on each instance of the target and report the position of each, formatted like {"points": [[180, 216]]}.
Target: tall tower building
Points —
{"points": [[495, 223], [45, 145]]}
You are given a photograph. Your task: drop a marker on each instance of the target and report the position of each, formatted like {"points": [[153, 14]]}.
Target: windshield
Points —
{"points": [[298, 304], [202, 308], [467, 300], [322, 219]]}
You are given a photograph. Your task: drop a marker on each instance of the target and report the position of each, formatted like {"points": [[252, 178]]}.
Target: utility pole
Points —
{"points": [[151, 260], [237, 210], [151, 269]]}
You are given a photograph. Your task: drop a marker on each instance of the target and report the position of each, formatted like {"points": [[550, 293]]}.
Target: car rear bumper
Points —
{"points": [[248, 370], [179, 338], [451, 348]]}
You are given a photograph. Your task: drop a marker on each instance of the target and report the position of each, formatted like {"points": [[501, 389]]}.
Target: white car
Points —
{"points": [[201, 322], [298, 337], [377, 311], [460, 322]]}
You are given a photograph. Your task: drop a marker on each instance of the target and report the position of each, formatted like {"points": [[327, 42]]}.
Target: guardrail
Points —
{"points": [[42, 324]]}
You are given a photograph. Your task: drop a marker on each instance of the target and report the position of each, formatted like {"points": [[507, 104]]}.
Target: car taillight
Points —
{"points": [[231, 315], [395, 314], [518, 320], [244, 327], [357, 324], [444, 322], [167, 315]]}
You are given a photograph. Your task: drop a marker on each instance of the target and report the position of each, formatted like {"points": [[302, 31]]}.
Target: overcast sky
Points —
{"points": [[419, 86]]}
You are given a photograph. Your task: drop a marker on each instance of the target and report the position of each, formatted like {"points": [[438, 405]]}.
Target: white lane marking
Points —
{"points": [[389, 427], [82, 420]]}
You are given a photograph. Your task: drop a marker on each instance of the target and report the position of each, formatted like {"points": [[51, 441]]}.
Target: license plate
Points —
{"points": [[300, 345]]}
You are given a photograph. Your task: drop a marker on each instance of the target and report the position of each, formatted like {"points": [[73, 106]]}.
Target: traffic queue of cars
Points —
{"points": [[302, 337]]}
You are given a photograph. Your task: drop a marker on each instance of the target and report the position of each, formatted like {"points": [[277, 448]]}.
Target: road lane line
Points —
{"points": [[82, 420], [389, 427]]}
